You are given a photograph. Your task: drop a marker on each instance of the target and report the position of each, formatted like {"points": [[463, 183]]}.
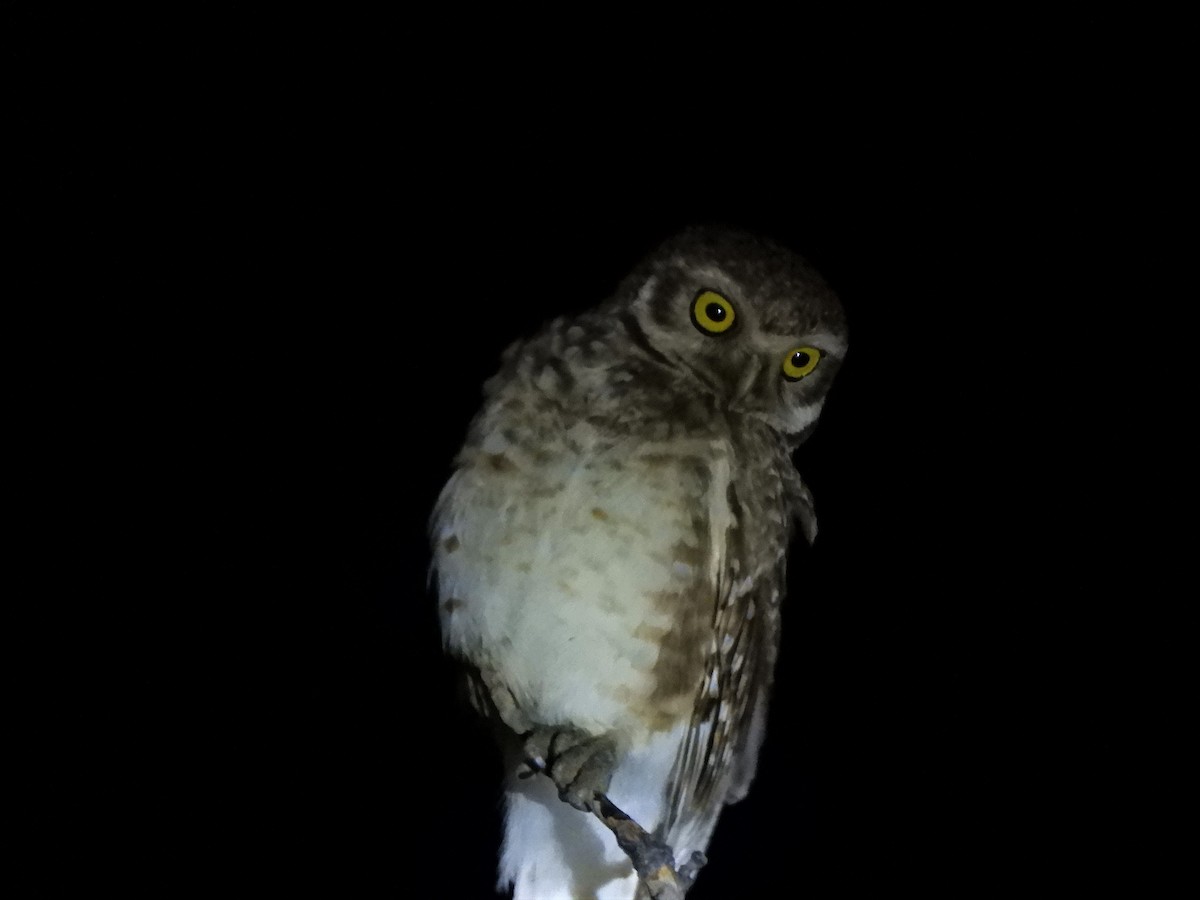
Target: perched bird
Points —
{"points": [[610, 549]]}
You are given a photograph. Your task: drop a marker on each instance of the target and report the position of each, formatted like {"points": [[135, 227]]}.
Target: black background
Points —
{"points": [[285, 258]]}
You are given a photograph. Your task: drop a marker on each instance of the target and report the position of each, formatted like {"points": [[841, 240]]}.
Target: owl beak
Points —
{"points": [[748, 378]]}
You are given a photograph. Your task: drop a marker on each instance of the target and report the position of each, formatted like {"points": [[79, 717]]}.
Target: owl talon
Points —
{"points": [[691, 869], [580, 765], [531, 767]]}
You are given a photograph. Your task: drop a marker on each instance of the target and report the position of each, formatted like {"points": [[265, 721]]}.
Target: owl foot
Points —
{"points": [[691, 869], [580, 765]]}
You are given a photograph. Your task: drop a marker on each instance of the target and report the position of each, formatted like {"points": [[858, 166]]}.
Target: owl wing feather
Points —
{"points": [[719, 754]]}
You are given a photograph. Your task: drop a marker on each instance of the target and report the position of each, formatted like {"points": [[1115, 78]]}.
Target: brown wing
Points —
{"points": [[720, 751]]}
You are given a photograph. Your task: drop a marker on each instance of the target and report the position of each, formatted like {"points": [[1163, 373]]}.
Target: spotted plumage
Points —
{"points": [[610, 549]]}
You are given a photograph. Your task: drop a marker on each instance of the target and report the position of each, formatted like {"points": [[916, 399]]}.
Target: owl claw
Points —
{"points": [[691, 869], [531, 767], [580, 765]]}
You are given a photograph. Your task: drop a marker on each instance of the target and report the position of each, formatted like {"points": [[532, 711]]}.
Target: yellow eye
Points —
{"points": [[800, 362], [712, 313]]}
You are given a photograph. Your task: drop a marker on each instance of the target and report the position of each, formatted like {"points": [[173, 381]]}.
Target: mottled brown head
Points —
{"points": [[741, 318]]}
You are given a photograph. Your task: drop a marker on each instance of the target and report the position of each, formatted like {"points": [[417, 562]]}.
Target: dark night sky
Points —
{"points": [[299, 281]]}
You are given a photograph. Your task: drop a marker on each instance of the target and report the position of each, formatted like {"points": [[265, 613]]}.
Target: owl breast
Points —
{"points": [[578, 573]]}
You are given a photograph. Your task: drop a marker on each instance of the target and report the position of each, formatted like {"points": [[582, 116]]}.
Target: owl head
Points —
{"points": [[740, 319]]}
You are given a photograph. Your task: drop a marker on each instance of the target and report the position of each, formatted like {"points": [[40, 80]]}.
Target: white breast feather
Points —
{"points": [[554, 572]]}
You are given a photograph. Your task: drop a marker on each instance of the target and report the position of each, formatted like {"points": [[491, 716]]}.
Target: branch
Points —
{"points": [[652, 859]]}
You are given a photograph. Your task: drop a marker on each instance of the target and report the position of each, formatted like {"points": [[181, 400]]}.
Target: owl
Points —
{"points": [[610, 550]]}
